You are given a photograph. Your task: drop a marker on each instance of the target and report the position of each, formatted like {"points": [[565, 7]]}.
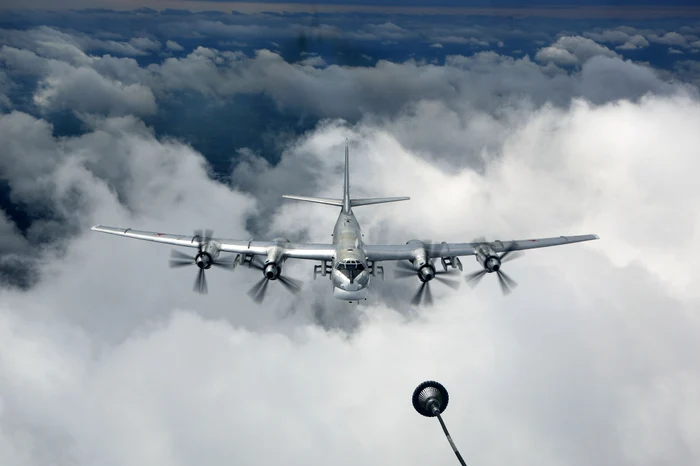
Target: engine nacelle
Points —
{"points": [[271, 271], [208, 255], [488, 259], [426, 273], [203, 260], [419, 255], [213, 249], [273, 262]]}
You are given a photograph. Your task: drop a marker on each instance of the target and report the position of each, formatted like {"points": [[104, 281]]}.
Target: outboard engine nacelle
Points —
{"points": [[208, 255], [488, 259], [271, 271], [273, 262]]}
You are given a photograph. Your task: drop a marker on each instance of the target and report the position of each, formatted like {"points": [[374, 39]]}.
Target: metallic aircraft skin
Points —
{"points": [[350, 274], [348, 261]]}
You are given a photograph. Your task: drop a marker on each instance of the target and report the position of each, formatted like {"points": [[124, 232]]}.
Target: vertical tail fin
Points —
{"points": [[346, 185], [346, 203]]}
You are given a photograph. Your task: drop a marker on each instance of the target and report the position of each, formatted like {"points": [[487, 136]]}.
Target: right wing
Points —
{"points": [[388, 252], [261, 248]]}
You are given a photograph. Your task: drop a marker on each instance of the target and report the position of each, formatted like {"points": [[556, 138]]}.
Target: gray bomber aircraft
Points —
{"points": [[347, 261]]}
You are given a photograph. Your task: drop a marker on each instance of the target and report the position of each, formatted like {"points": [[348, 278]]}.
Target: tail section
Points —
{"points": [[346, 183], [346, 202], [317, 200], [376, 200]]}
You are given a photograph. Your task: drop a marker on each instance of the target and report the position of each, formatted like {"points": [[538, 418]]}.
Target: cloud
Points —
{"points": [[557, 55], [174, 46], [145, 44], [84, 90], [44, 38], [635, 42], [313, 60], [387, 30], [614, 36], [461, 40], [486, 94], [5, 86], [111, 357], [324, 91], [688, 70], [624, 38], [79, 88], [572, 50], [387, 87], [14, 249], [669, 38]]}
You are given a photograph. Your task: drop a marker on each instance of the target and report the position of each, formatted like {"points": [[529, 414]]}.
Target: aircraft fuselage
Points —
{"points": [[350, 275]]}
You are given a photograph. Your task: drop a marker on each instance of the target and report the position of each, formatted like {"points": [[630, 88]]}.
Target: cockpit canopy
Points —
{"points": [[351, 268]]}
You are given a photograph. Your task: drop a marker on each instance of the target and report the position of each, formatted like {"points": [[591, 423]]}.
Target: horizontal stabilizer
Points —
{"points": [[376, 200], [317, 200]]}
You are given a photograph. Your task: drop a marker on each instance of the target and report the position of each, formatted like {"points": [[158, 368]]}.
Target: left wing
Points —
{"points": [[289, 250], [410, 250]]}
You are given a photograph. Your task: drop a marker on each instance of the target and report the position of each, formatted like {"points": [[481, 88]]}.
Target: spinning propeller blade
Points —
{"points": [[203, 260], [258, 291], [507, 283], [424, 294]]}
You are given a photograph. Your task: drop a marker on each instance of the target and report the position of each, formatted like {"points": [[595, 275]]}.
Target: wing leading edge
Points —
{"points": [[407, 251], [291, 250], [375, 252]]}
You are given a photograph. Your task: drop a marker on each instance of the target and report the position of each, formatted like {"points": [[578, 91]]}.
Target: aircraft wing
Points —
{"points": [[407, 251], [290, 250]]}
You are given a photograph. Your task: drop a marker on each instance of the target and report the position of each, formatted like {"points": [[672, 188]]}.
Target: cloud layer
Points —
{"points": [[109, 357], [564, 368]]}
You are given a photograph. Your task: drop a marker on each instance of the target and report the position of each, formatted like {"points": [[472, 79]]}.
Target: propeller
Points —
{"points": [[202, 259], [270, 271], [493, 264], [425, 273]]}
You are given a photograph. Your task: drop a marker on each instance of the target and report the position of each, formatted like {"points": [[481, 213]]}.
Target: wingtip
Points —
{"points": [[596, 237], [95, 227]]}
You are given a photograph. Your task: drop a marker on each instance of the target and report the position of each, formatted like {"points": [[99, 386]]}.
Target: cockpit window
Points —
{"points": [[350, 268]]}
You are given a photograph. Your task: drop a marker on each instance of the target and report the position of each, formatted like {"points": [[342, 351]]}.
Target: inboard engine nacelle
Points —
{"points": [[488, 258]]}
